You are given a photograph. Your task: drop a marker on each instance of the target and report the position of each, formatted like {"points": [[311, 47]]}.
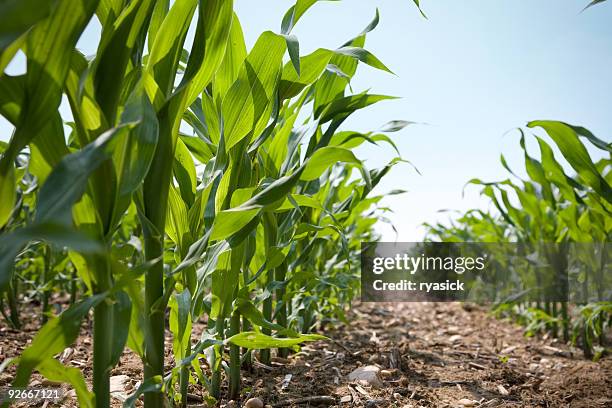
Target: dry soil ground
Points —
{"points": [[427, 354]]}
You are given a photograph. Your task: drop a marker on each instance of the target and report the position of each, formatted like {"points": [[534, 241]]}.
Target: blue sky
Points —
{"points": [[473, 71]]}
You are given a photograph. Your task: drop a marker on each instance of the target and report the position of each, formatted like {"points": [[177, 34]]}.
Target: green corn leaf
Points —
{"points": [[180, 322], [324, 158], [301, 201], [417, 3], [347, 105], [47, 149], [53, 370], [18, 16], [238, 112], [593, 3], [140, 146], [247, 104], [167, 46], [224, 282], [275, 191], [67, 183], [536, 172], [293, 47], [606, 146], [229, 222], [253, 340], [185, 172], [53, 338], [213, 30], [49, 49], [576, 155], [12, 93], [364, 56], [198, 148], [396, 125], [160, 10], [177, 221], [254, 315], [13, 242], [152, 384], [311, 68], [8, 191], [6, 55], [122, 312], [295, 12], [554, 171], [235, 54], [114, 52]]}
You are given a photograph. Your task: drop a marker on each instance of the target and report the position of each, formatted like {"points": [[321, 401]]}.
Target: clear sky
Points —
{"points": [[473, 71]]}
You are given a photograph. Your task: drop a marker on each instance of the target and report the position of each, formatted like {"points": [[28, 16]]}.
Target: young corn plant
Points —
{"points": [[555, 207], [221, 224]]}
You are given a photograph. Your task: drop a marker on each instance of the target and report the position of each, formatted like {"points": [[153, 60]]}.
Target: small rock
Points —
{"points": [[502, 390], [387, 373], [368, 375], [118, 383], [254, 403], [346, 399], [231, 404], [464, 402], [373, 403], [397, 396], [455, 338]]}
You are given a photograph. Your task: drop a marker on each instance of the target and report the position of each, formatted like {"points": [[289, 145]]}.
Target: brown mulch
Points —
{"points": [[431, 354]]}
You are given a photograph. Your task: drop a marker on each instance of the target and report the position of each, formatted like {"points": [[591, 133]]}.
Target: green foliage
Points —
{"points": [[552, 206], [187, 183]]}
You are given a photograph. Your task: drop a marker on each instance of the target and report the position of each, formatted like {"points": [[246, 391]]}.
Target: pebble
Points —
{"points": [[397, 396], [254, 403], [388, 373], [118, 383], [464, 402], [502, 390], [455, 338], [368, 375]]}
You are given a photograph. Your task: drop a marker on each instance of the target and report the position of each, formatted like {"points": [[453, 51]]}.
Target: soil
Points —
{"points": [[430, 355]]}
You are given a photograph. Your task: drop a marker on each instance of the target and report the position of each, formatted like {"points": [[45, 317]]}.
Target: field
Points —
{"points": [[184, 221]]}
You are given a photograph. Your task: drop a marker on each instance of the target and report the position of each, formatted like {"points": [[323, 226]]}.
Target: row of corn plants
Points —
{"points": [[194, 181], [551, 206]]}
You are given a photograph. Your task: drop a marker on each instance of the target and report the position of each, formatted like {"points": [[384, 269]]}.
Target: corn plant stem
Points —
{"points": [[155, 194], [281, 317], [246, 326], [11, 294], [184, 377], [44, 278], [586, 346], [73, 287], [102, 334], [264, 355], [565, 321], [154, 347], [215, 382], [234, 373]]}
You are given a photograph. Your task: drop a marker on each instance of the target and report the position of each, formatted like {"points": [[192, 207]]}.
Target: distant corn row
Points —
{"points": [[196, 181], [551, 206]]}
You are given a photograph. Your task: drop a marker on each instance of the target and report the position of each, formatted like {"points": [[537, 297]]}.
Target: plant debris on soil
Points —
{"points": [[413, 355]]}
